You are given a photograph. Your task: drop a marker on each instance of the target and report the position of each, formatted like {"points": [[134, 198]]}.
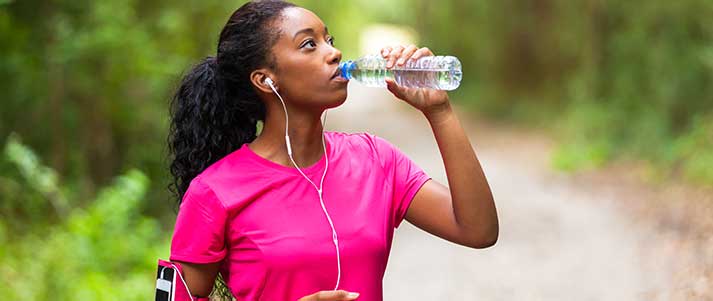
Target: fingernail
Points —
{"points": [[353, 295], [401, 61]]}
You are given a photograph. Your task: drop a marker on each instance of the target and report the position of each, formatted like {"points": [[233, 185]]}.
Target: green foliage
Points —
{"points": [[89, 81], [587, 128], [613, 79], [693, 150], [39, 178], [105, 251]]}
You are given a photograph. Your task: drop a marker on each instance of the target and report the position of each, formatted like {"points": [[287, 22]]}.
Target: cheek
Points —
{"points": [[303, 79], [306, 81]]}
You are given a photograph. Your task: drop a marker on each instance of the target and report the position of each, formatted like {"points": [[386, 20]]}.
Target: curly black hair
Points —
{"points": [[216, 109]]}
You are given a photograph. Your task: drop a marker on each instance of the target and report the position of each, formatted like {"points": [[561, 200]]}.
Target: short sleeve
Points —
{"points": [[406, 178], [199, 233]]}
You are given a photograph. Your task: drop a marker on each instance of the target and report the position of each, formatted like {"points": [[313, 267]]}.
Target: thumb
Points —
{"points": [[394, 88]]}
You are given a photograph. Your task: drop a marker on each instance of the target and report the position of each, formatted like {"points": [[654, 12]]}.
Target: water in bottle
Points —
{"points": [[434, 72]]}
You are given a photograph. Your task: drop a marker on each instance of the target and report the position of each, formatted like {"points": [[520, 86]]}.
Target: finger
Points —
{"points": [[406, 54], [394, 88], [421, 53], [338, 295], [385, 51], [393, 55]]}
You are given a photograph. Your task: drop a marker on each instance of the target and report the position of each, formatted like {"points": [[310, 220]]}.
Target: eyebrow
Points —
{"points": [[308, 30]]}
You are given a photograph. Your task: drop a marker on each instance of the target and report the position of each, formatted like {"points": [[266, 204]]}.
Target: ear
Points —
{"points": [[258, 78]]}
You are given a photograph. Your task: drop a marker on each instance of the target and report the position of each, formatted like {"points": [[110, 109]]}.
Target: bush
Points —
{"points": [[104, 251]]}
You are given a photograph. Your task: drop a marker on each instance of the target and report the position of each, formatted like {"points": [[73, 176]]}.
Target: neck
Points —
{"points": [[305, 131]]}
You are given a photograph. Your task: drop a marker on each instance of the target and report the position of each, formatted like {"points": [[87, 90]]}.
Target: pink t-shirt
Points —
{"points": [[265, 223]]}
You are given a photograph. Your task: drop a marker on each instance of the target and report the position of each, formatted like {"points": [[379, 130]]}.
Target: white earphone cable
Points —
{"points": [[184, 281], [321, 184]]}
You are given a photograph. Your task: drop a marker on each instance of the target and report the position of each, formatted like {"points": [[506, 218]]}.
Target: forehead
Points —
{"points": [[295, 19]]}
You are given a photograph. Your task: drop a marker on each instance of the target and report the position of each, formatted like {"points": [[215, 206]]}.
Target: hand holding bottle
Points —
{"points": [[428, 101]]}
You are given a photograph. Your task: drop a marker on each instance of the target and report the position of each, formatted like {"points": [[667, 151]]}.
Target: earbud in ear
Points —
{"points": [[269, 81]]}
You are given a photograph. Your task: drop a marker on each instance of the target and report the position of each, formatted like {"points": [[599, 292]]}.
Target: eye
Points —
{"points": [[308, 42], [331, 41]]}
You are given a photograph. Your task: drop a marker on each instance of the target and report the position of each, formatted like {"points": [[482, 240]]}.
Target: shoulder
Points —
{"points": [[219, 179], [201, 192], [361, 143], [234, 167]]}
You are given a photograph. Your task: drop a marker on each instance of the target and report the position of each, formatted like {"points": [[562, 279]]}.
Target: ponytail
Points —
{"points": [[207, 123], [216, 108]]}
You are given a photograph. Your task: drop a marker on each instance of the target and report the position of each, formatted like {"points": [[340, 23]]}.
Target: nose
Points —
{"points": [[335, 56]]}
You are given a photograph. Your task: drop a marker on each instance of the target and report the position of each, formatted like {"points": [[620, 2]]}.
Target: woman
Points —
{"points": [[288, 225]]}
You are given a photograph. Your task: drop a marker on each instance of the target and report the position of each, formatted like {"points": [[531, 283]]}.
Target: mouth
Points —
{"points": [[336, 73]]}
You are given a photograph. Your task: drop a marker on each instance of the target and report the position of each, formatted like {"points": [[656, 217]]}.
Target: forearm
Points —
{"points": [[473, 205]]}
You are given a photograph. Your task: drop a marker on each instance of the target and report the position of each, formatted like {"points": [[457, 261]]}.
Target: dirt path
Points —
{"points": [[557, 241]]}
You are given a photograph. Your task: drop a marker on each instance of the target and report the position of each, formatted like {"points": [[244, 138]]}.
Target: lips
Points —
{"points": [[336, 73]]}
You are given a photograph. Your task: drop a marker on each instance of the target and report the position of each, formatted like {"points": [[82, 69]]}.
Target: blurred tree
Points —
{"points": [[629, 79], [89, 81], [99, 252]]}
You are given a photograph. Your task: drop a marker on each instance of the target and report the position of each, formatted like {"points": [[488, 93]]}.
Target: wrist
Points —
{"points": [[438, 113]]}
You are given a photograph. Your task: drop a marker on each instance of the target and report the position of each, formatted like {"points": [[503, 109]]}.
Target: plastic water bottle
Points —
{"points": [[434, 72]]}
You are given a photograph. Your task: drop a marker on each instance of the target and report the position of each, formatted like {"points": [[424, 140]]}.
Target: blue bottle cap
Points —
{"points": [[346, 69]]}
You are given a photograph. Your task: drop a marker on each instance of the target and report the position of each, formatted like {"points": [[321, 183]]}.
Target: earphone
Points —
{"points": [[335, 239]]}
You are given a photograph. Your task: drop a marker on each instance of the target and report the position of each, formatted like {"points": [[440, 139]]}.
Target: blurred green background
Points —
{"points": [[84, 209]]}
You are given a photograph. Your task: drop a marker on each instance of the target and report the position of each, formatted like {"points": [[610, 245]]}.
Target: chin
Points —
{"points": [[340, 98]]}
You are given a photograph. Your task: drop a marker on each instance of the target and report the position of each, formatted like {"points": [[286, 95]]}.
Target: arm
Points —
{"points": [[200, 277], [465, 213], [198, 242]]}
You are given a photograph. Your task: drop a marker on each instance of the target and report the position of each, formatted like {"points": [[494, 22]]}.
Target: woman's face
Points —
{"points": [[306, 62]]}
